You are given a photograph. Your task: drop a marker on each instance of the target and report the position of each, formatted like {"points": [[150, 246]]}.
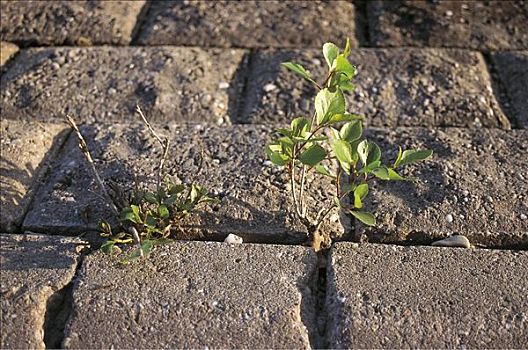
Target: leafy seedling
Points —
{"points": [[147, 216], [332, 139]]}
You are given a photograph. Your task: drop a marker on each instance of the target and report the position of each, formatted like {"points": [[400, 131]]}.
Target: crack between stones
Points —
{"points": [[499, 92], [241, 104], [313, 313], [140, 21], [41, 179], [59, 307]]}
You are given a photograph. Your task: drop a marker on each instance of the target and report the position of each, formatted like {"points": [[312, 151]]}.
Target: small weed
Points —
{"points": [[332, 139], [147, 217]]}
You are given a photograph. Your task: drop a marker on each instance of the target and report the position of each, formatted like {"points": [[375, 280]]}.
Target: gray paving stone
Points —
{"points": [[33, 268], [475, 185], [254, 205], [395, 87], [242, 296], [512, 68], [69, 22], [480, 25], [383, 296], [106, 83], [7, 50], [249, 23], [27, 152]]}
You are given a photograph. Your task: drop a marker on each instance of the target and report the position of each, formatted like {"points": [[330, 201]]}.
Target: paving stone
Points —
{"points": [[242, 296], [480, 25], [27, 151], [512, 68], [395, 87], [82, 23], [106, 83], [475, 185], [7, 50], [34, 268], [249, 23], [254, 202], [383, 296]]}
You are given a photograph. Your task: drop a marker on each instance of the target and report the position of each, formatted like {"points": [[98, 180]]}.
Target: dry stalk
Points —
{"points": [[163, 142]]}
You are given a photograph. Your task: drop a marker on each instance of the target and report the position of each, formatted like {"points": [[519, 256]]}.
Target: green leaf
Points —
{"points": [[343, 66], [300, 126], [393, 175], [127, 214], [336, 118], [175, 189], [312, 155], [381, 173], [363, 151], [365, 217], [345, 83], [347, 48], [151, 221], [398, 158], [146, 247], [360, 192], [351, 131], [330, 52], [195, 193], [287, 145], [343, 153], [321, 169], [135, 209], [298, 69], [370, 167], [275, 157], [374, 153], [163, 212], [328, 103], [413, 156], [107, 247], [151, 198]]}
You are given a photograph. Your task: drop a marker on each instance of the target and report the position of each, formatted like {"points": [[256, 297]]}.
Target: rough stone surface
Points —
{"points": [[249, 23], [474, 185], [81, 23], [480, 25], [254, 202], [27, 150], [384, 296], [7, 50], [106, 83], [395, 87], [242, 296], [33, 268], [512, 68]]}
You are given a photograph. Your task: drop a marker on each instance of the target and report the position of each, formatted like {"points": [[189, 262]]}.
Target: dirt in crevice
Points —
{"points": [[59, 309]]}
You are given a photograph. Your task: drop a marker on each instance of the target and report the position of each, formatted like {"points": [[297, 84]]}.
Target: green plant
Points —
{"points": [[146, 217], [332, 139]]}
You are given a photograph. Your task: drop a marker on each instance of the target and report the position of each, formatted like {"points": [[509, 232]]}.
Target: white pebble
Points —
{"points": [[453, 241], [223, 85], [524, 217], [270, 87], [449, 218], [449, 13], [233, 239]]}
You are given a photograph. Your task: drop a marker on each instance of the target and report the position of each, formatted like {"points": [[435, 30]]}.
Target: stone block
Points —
{"points": [[386, 297], [395, 87]]}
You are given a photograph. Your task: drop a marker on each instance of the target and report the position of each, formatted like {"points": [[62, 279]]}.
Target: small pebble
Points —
{"points": [[223, 85], [524, 217], [449, 218], [233, 239], [453, 241], [449, 13], [270, 87]]}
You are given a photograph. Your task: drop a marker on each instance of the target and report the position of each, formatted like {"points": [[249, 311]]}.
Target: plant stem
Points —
{"points": [[84, 149], [164, 146]]}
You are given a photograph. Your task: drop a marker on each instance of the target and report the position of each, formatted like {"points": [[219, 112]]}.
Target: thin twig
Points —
{"points": [[164, 145], [84, 149]]}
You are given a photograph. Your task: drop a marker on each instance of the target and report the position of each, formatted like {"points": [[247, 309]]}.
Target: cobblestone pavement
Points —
{"points": [[451, 76]]}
